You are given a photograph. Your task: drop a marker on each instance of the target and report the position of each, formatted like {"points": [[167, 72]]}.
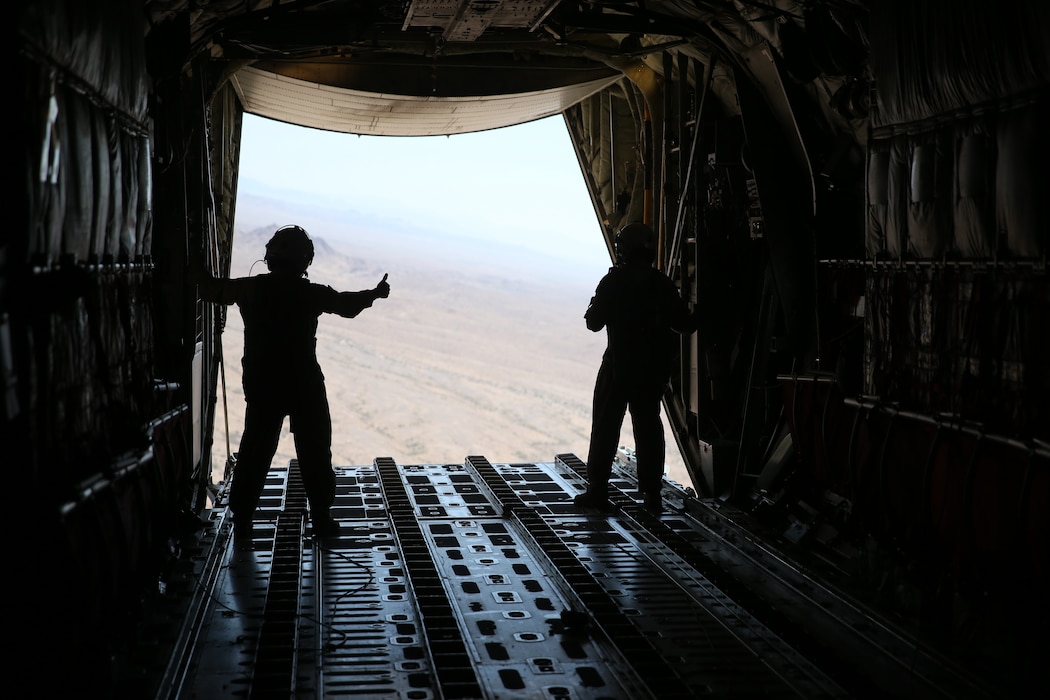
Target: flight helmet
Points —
{"points": [[289, 250], [635, 243]]}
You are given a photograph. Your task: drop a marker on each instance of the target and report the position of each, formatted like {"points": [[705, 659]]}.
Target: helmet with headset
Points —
{"points": [[289, 250], [635, 243]]}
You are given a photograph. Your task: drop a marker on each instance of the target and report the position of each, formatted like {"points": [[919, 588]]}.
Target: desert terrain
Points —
{"points": [[461, 359]]}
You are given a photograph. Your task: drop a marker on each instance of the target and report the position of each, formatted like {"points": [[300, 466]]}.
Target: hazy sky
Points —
{"points": [[519, 186]]}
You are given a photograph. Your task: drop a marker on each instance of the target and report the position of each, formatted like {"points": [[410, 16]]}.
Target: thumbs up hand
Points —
{"points": [[383, 288]]}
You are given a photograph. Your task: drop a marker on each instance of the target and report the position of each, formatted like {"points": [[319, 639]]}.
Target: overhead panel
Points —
{"points": [[466, 20], [329, 108]]}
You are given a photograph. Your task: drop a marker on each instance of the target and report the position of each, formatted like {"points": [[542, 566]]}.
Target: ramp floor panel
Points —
{"points": [[477, 580]]}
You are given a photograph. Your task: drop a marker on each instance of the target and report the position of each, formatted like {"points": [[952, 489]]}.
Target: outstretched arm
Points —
{"points": [[210, 288], [350, 304]]}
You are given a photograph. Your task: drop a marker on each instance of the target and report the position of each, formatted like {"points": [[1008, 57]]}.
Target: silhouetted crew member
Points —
{"points": [[281, 376], [641, 310]]}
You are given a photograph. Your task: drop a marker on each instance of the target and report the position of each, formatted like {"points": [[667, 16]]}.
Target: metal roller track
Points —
{"points": [[374, 641], [454, 670], [716, 646], [506, 610], [482, 580], [276, 654], [648, 663], [865, 654]]}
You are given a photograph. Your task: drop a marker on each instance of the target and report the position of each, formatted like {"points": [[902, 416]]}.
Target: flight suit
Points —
{"points": [[641, 310], [281, 377]]}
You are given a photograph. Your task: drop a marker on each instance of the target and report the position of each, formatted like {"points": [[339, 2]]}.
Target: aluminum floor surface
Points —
{"points": [[482, 580]]}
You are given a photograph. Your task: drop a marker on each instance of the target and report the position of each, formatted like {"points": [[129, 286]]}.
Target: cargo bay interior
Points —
{"points": [[853, 193]]}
